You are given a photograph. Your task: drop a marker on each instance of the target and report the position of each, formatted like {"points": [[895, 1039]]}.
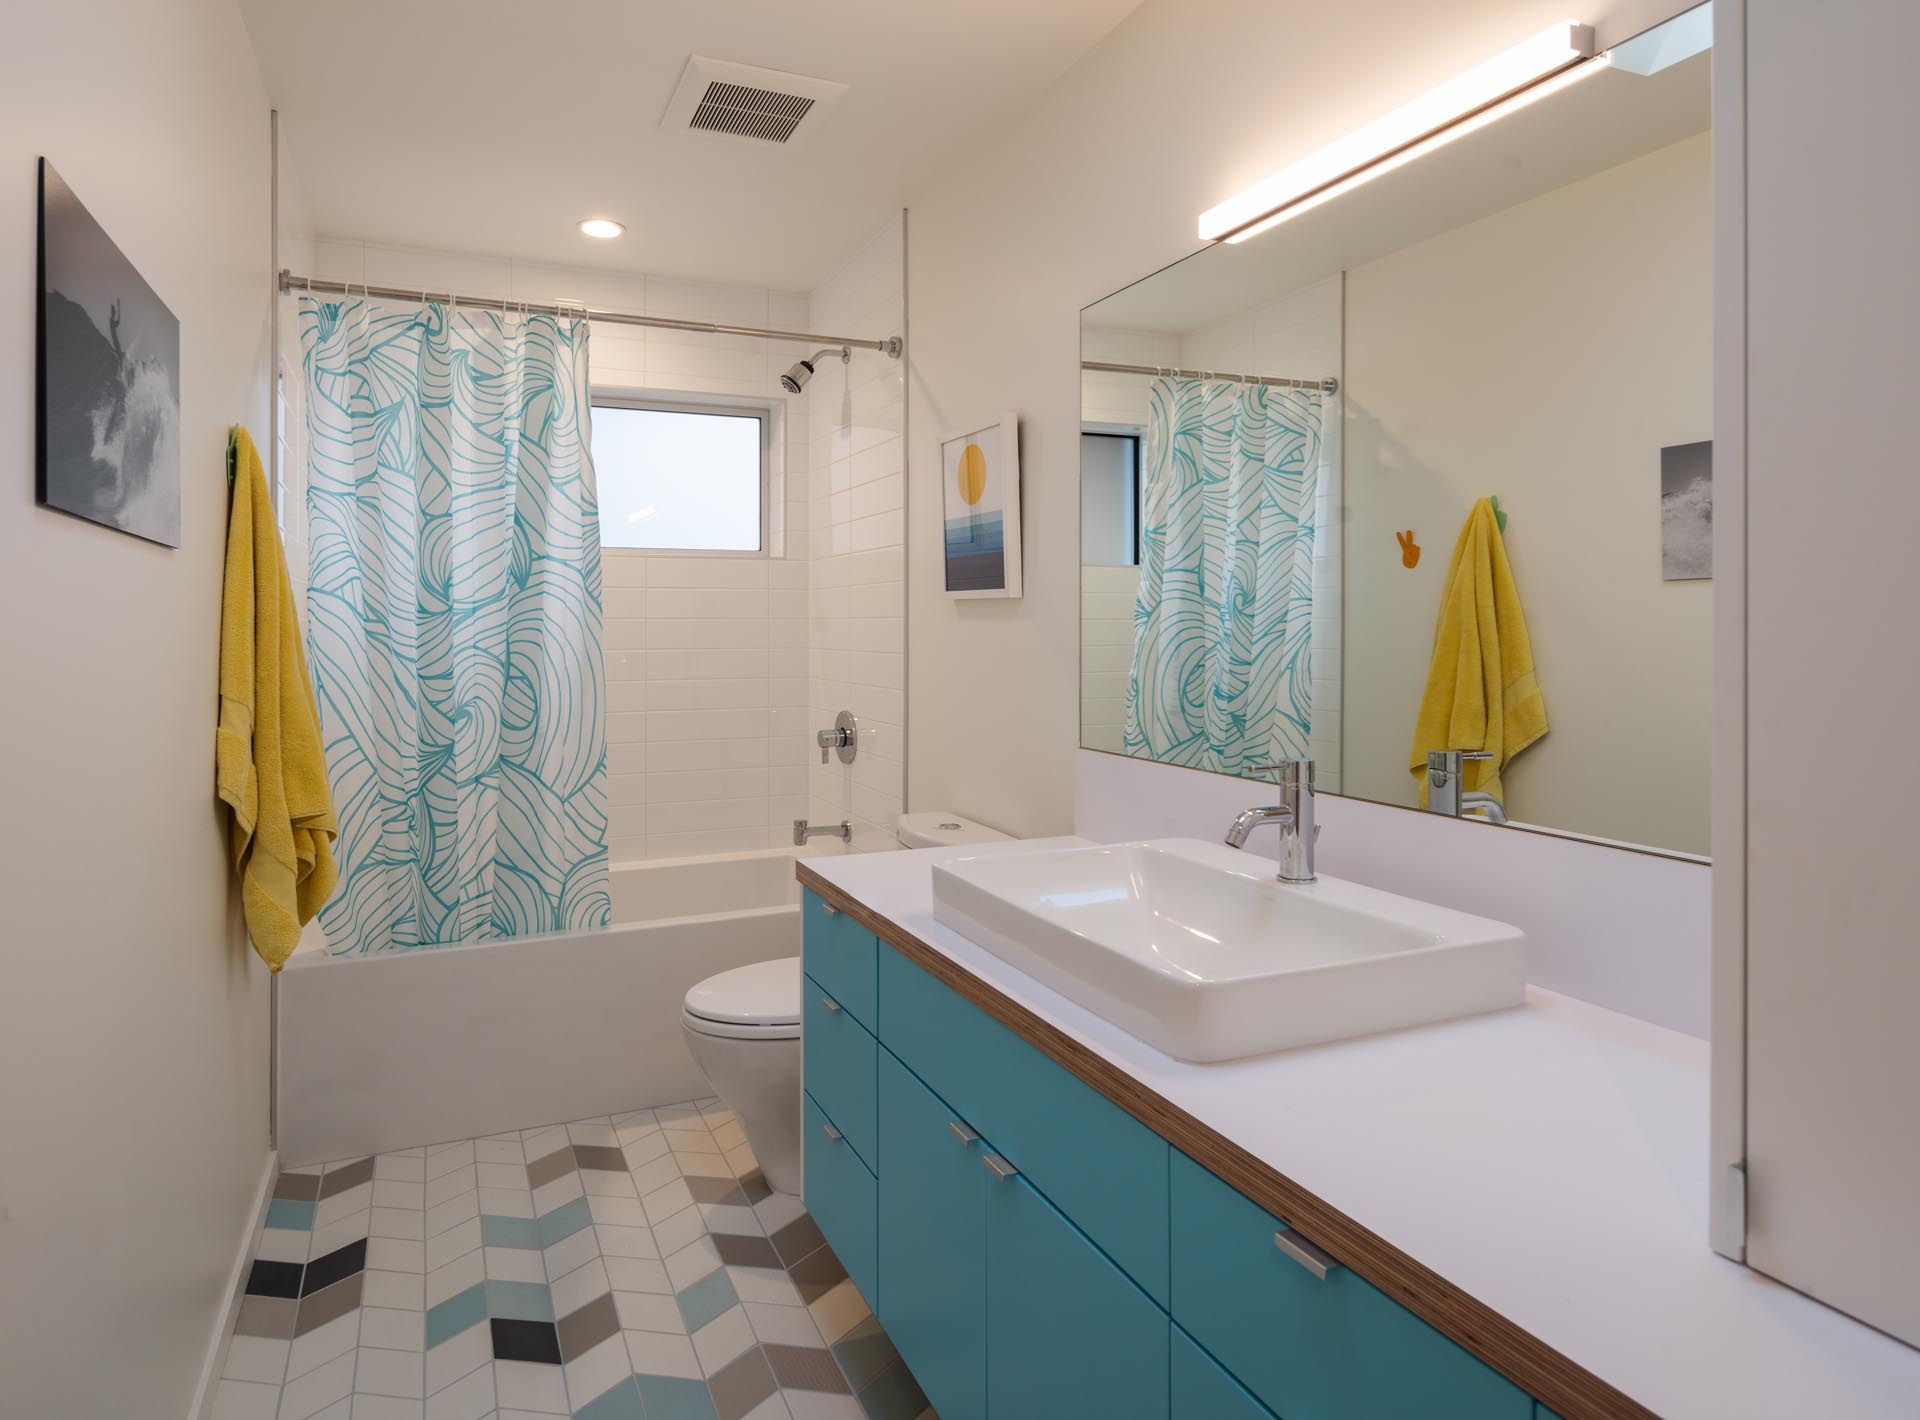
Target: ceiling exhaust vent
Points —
{"points": [[749, 104]]}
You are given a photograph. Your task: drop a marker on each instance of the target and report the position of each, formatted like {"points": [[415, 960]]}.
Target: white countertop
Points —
{"points": [[1550, 1160]]}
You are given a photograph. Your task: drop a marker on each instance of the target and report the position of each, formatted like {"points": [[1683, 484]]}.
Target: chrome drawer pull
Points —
{"points": [[830, 1131], [830, 1003], [829, 909], [1316, 1261], [961, 1132], [999, 1167]]}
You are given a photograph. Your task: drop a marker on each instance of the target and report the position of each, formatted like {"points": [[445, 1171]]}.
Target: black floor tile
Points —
{"points": [[340, 1263], [274, 1279], [525, 1341]]}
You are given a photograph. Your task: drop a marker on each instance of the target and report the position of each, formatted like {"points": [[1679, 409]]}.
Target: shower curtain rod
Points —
{"points": [[891, 346], [1326, 385]]}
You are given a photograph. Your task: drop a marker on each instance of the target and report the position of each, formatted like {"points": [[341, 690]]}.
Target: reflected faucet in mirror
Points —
{"points": [[1445, 767], [1293, 815]]}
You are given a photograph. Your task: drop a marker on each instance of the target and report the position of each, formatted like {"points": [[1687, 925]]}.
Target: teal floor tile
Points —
{"points": [[520, 1301], [895, 1396], [671, 1398], [706, 1299], [620, 1403], [563, 1222], [290, 1213], [509, 1232], [456, 1314]]}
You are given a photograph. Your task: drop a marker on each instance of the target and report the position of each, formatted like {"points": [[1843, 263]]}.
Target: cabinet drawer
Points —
{"points": [[839, 953], [1097, 1164], [1333, 1348], [1202, 1391], [839, 1063], [841, 1195], [1068, 1333]]}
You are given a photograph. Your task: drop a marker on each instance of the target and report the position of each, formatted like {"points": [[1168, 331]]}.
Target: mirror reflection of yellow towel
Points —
{"points": [[1481, 693]]}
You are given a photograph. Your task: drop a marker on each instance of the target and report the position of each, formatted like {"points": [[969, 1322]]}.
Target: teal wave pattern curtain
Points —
{"points": [[454, 622], [1221, 675]]}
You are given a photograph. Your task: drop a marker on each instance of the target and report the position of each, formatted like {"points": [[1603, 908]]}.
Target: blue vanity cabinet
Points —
{"points": [[933, 1243], [1095, 1162], [1203, 1391], [840, 955], [843, 1197], [1332, 1348], [1068, 1333], [837, 1060]]}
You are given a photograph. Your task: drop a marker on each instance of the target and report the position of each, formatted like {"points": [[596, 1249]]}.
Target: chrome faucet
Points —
{"points": [[1445, 769], [802, 831], [1293, 814]]}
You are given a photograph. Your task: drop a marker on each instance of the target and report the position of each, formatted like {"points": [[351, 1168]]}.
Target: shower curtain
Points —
{"points": [[453, 621], [1220, 677]]}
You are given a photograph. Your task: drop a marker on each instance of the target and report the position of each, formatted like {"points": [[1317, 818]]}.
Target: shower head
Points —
{"points": [[801, 371]]}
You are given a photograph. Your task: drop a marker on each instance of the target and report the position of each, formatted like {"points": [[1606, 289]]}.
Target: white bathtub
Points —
{"points": [[388, 1051]]}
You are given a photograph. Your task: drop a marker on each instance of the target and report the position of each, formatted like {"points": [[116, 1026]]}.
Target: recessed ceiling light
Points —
{"points": [[601, 227]]}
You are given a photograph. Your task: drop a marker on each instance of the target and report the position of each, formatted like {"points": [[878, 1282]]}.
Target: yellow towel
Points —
{"points": [[269, 765], [1481, 693]]}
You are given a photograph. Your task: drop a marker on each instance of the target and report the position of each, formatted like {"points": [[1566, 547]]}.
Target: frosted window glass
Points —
{"points": [[677, 480]]}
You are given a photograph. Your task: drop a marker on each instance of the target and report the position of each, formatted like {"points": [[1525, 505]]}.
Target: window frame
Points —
{"points": [[723, 406], [1136, 434]]}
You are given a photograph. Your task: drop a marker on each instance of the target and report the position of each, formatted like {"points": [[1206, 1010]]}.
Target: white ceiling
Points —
{"points": [[493, 126]]}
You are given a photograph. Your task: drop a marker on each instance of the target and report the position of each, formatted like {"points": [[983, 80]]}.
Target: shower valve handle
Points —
{"points": [[844, 738]]}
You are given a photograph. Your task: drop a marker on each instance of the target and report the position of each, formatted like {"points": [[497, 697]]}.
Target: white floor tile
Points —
{"points": [[703, 1163], [257, 1358], [763, 1284], [402, 1168], [245, 1400], [692, 1262], [283, 1245], [317, 1389], [393, 1329], [731, 1218], [498, 1151], [593, 1131], [396, 1254], [638, 1274], [643, 1147], [445, 1158], [451, 1184], [624, 1212], [322, 1344], [593, 1374], [341, 1205], [448, 1212], [564, 1189], [600, 1184], [658, 1353], [515, 1264], [404, 1291], [723, 1339], [816, 1405], [488, 1174], [672, 1234], [339, 1233], [571, 1252], [387, 1407], [652, 1311], [399, 1193], [657, 1173], [469, 1398], [664, 1202], [395, 1373], [455, 1277], [626, 1242], [776, 1210], [781, 1326], [839, 1311], [523, 1385], [579, 1287], [454, 1358], [457, 1241], [409, 1223], [538, 1143], [506, 1202], [774, 1407]]}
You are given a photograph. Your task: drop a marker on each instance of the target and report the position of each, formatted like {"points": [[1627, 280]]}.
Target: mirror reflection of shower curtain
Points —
{"points": [[454, 621], [1221, 674]]}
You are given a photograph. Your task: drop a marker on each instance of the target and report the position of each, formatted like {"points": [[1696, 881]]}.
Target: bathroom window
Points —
{"points": [[1109, 499], [678, 477]]}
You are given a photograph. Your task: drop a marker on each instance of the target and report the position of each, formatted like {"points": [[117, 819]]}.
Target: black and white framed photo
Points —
{"points": [[108, 365], [1686, 512]]}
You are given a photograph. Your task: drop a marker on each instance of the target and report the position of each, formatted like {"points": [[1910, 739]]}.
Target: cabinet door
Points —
{"points": [[841, 1195], [1067, 1332], [1203, 1391], [933, 1254]]}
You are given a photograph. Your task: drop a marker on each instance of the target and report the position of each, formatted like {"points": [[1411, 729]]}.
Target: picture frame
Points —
{"points": [[980, 502], [107, 371]]}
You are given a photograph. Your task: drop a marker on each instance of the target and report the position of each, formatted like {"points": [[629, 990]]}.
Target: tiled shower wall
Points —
{"points": [[712, 693], [856, 543]]}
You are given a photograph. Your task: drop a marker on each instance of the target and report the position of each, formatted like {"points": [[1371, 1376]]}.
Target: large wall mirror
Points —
{"points": [[1428, 468]]}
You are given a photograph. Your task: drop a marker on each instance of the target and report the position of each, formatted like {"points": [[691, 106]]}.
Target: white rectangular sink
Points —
{"points": [[1194, 948]]}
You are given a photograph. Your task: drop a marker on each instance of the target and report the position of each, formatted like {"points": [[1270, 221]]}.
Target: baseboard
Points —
{"points": [[222, 1338]]}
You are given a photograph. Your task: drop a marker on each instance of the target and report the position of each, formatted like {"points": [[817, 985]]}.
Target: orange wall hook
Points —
{"points": [[1409, 549]]}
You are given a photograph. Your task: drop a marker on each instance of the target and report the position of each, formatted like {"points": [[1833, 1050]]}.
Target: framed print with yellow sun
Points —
{"points": [[981, 473]]}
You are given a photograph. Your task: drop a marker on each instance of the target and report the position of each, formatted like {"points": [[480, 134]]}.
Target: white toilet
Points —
{"points": [[743, 1027]]}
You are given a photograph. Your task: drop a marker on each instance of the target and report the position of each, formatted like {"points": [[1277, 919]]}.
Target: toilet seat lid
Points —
{"points": [[767, 993]]}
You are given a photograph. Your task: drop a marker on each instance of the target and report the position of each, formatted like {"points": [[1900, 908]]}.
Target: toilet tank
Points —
{"points": [[939, 829]]}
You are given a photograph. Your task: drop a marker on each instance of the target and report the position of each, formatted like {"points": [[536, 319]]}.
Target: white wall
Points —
{"points": [[1545, 353], [133, 1017], [707, 719], [1184, 103], [855, 538]]}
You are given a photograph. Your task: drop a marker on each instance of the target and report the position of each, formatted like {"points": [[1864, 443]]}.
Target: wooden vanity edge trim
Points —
{"points": [[1563, 1385]]}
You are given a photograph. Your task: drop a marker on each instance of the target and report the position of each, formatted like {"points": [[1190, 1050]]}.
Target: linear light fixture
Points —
{"points": [[1519, 76]]}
